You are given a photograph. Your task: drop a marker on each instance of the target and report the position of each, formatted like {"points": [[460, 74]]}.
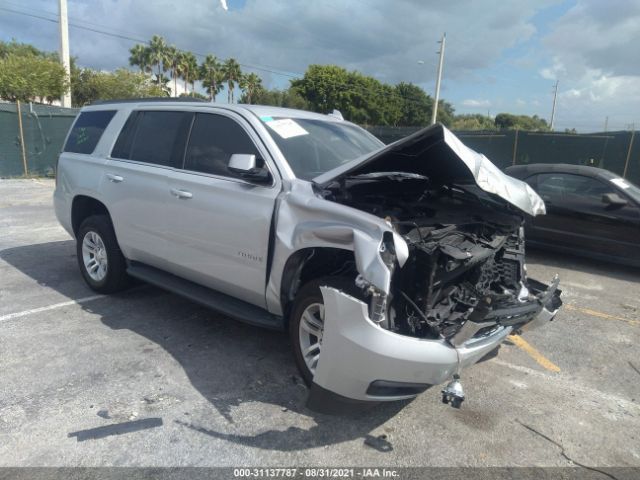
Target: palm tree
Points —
{"points": [[250, 84], [211, 76], [232, 75], [140, 57], [173, 58], [158, 54], [188, 69]]}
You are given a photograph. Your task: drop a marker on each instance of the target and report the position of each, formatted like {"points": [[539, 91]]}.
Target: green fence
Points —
{"points": [[618, 152], [45, 128]]}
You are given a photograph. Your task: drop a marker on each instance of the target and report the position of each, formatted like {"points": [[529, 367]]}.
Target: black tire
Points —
{"points": [[307, 295], [116, 278]]}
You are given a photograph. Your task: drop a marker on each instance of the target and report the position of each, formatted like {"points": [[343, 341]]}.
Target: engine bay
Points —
{"points": [[466, 255]]}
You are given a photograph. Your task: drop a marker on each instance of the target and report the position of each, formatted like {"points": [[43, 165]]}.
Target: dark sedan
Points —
{"points": [[590, 211]]}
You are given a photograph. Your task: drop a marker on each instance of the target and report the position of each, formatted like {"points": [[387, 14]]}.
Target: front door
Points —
{"points": [[577, 217], [219, 224]]}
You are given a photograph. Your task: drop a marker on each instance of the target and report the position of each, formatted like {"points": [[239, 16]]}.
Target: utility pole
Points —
{"points": [[64, 51], [553, 110], [606, 123], [434, 116]]}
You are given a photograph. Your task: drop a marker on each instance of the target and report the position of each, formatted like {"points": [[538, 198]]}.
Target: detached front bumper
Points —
{"points": [[362, 361]]}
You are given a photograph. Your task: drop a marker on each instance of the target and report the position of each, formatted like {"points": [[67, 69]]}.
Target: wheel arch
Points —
{"points": [[310, 263], [84, 206]]}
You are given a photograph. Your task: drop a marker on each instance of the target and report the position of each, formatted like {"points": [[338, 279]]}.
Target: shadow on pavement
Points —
{"points": [[229, 363]]}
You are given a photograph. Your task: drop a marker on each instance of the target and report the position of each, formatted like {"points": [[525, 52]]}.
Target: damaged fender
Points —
{"points": [[306, 221]]}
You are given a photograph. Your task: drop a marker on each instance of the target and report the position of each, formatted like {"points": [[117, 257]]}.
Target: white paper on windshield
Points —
{"points": [[620, 183], [287, 128]]}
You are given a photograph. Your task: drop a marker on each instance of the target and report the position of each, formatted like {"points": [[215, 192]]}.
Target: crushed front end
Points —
{"points": [[457, 289]]}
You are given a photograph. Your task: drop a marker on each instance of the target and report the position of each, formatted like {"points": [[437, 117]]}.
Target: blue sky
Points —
{"points": [[500, 56]]}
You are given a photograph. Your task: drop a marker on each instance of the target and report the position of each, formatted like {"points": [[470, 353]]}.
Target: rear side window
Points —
{"points": [[154, 137], [87, 130], [214, 138]]}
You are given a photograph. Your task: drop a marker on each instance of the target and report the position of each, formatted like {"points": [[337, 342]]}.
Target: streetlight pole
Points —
{"points": [[64, 51], [434, 115], [553, 109]]}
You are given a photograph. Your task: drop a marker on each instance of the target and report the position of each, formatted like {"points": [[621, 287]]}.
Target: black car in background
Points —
{"points": [[590, 211]]}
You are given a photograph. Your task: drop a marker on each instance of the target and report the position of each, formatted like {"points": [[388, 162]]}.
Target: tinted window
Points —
{"points": [[87, 130], [154, 137], [213, 139], [566, 187]]}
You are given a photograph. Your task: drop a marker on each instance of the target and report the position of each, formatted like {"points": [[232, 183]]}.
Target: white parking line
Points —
{"points": [[24, 313]]}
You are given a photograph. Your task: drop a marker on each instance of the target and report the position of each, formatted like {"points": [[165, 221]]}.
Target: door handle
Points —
{"points": [[114, 178], [181, 193]]}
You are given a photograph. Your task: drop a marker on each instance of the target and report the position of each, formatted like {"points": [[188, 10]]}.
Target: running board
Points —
{"points": [[225, 304]]}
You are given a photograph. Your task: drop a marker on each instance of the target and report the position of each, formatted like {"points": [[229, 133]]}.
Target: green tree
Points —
{"points": [[508, 121], [173, 60], [416, 105], [232, 75], [289, 98], [194, 95], [446, 113], [158, 56], [474, 121], [140, 56], [88, 85], [188, 70], [30, 77], [210, 73], [250, 84], [324, 87]]}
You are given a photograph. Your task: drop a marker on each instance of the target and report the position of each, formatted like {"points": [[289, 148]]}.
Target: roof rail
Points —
{"points": [[149, 99]]}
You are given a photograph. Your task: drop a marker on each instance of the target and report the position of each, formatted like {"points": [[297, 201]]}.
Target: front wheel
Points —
{"points": [[101, 262], [306, 323]]}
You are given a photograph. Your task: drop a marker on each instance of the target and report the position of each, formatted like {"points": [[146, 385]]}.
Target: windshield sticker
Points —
{"points": [[266, 118], [287, 128], [620, 183]]}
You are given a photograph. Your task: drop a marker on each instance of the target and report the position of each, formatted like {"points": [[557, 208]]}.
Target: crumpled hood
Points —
{"points": [[437, 153]]}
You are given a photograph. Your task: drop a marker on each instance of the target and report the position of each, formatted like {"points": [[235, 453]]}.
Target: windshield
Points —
{"points": [[313, 147]]}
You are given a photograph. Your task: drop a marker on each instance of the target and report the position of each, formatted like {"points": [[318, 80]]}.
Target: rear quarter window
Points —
{"points": [[87, 130]]}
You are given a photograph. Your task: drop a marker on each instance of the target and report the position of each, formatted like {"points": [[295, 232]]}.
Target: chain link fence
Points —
{"points": [[44, 129]]}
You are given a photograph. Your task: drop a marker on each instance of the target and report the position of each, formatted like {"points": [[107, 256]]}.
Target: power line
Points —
{"points": [[268, 69]]}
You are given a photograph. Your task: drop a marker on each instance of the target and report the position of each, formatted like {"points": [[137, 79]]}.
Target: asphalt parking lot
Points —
{"points": [[146, 378]]}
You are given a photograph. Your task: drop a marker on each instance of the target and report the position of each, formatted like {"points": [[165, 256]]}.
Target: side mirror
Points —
{"points": [[613, 200], [246, 166]]}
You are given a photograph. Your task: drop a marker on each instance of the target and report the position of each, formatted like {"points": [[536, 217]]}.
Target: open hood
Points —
{"points": [[438, 154]]}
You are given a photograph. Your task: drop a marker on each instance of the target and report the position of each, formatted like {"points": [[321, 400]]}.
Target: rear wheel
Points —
{"points": [[101, 262], [306, 323]]}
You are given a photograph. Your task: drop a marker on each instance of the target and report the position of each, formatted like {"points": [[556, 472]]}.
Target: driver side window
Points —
{"points": [[214, 138], [566, 187]]}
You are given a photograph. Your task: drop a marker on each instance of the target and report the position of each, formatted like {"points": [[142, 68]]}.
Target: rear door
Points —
{"points": [[136, 181], [218, 223], [578, 218]]}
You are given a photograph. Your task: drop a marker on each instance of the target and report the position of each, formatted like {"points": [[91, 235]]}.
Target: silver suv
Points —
{"points": [[392, 267]]}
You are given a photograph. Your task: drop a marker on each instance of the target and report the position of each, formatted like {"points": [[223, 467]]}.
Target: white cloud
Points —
{"points": [[476, 103], [594, 50], [378, 37]]}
